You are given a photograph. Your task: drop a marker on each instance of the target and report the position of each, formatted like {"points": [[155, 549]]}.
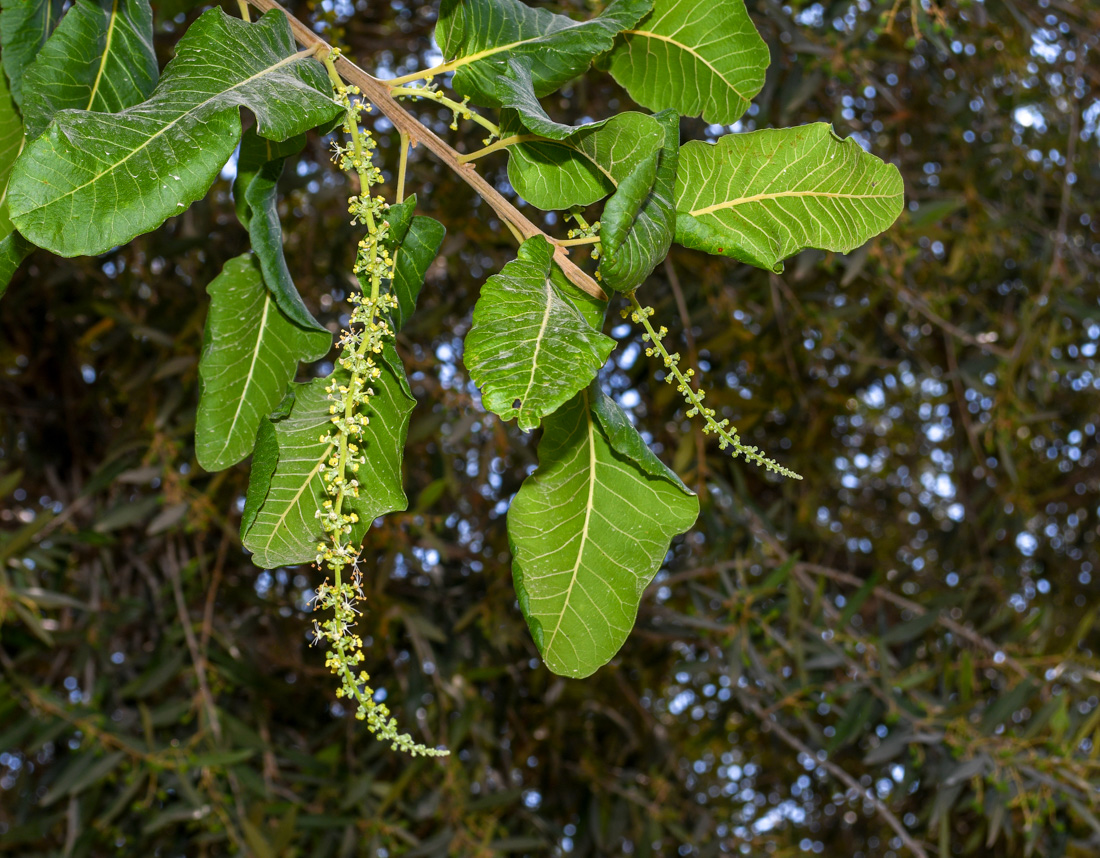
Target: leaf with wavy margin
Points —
{"points": [[589, 529], [765, 195], [285, 488], [530, 349], [259, 187], [251, 350], [584, 167], [697, 57], [93, 181], [639, 220]]}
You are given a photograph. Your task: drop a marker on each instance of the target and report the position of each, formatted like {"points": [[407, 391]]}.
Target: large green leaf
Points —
{"points": [[697, 57], [99, 58], [94, 181], [13, 247], [589, 530], [530, 349], [584, 166], [261, 205], [255, 153], [24, 27], [285, 489], [11, 144], [555, 166], [480, 36], [13, 250], [250, 352], [763, 196], [639, 220]]}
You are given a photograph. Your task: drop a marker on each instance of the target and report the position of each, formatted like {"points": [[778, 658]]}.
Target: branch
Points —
{"points": [[377, 92]]}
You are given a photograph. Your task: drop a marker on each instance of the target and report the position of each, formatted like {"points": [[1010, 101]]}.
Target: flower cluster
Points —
{"points": [[585, 233], [345, 655], [727, 435], [349, 392]]}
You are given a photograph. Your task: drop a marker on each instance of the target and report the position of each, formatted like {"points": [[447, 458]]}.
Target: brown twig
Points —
{"points": [[377, 92]]}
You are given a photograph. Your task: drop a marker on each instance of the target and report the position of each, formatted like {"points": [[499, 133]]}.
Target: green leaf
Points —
{"points": [[639, 220], [13, 247], [420, 237], [265, 457], [24, 27], [529, 349], [99, 58], [417, 250], [763, 196], [93, 181], [257, 152], [589, 530], [11, 144], [282, 528], [482, 35], [696, 57], [261, 201], [250, 352], [582, 167]]}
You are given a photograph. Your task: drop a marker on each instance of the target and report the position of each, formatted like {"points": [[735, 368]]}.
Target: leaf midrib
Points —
{"points": [[587, 519], [459, 62], [251, 371], [728, 204], [106, 54], [54, 200], [539, 338], [293, 502]]}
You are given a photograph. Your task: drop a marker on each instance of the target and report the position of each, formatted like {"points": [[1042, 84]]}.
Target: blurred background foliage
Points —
{"points": [[896, 656]]}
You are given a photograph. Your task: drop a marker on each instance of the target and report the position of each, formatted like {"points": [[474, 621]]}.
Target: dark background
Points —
{"points": [[905, 639]]}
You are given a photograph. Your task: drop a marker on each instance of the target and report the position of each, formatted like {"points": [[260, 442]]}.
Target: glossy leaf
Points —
{"points": [[24, 27], [13, 247], [529, 349], [261, 205], [582, 167], [285, 489], [697, 57], [589, 530], [99, 58], [412, 258], [763, 196], [516, 90], [11, 144], [250, 352], [254, 154], [413, 242], [93, 181], [639, 220], [480, 36], [13, 250]]}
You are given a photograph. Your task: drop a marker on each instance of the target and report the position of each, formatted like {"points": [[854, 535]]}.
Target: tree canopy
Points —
{"points": [[894, 655]]}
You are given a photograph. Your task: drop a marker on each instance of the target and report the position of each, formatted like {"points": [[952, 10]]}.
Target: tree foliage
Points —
{"points": [[895, 651]]}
